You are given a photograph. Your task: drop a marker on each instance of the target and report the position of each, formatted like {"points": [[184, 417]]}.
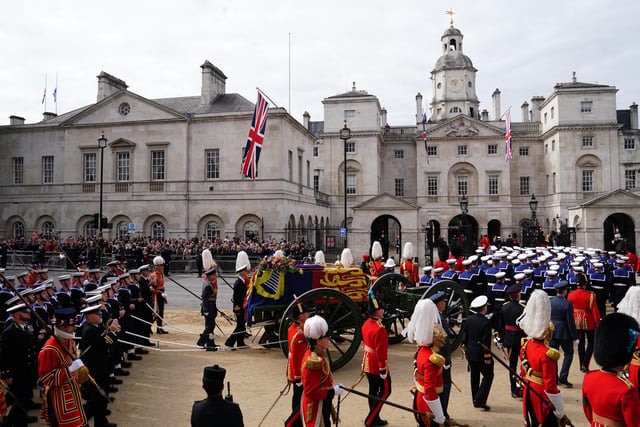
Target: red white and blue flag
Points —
{"points": [[251, 153], [507, 138], [424, 134]]}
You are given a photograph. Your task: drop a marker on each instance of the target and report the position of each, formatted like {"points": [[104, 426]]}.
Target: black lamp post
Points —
{"points": [[533, 229], [345, 134], [464, 208], [102, 143]]}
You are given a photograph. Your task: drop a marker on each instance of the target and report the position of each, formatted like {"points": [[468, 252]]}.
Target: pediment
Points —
{"points": [[464, 127], [122, 143], [123, 107], [385, 201], [614, 198]]}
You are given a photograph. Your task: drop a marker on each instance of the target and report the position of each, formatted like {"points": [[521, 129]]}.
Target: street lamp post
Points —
{"points": [[533, 206], [102, 143], [464, 208], [345, 134]]}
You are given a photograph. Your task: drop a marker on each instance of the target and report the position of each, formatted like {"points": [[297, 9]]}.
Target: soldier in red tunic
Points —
{"points": [[424, 328], [156, 282], [630, 305], [317, 382], [408, 268], [375, 361], [297, 347], [61, 375], [539, 365], [376, 267], [609, 398], [586, 315]]}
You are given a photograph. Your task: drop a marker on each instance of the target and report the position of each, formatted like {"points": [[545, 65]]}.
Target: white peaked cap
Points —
{"points": [[158, 260], [376, 250], [630, 304], [346, 258], [315, 327], [536, 316], [319, 257], [407, 251], [279, 254], [242, 262], [207, 260], [420, 328]]}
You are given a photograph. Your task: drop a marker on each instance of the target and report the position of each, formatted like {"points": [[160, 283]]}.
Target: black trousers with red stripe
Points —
{"points": [[378, 388]]}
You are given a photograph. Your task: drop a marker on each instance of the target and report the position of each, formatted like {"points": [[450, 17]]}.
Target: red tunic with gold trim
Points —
{"points": [[317, 383], [409, 269], [297, 347], [376, 344], [156, 281], [539, 367], [375, 268], [634, 367], [585, 309], [427, 378], [608, 399], [61, 391]]}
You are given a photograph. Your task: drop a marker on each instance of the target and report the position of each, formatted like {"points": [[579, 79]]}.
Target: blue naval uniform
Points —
{"points": [[450, 274], [598, 284], [468, 282], [425, 280], [497, 296], [549, 285], [621, 280], [528, 285]]}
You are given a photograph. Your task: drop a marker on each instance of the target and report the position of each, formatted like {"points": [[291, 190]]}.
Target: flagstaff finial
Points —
{"points": [[450, 12]]}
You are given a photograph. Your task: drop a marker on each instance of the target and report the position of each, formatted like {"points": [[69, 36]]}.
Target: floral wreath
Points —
{"points": [[278, 263]]}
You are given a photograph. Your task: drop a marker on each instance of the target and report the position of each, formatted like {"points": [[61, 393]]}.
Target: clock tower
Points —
{"points": [[454, 80]]}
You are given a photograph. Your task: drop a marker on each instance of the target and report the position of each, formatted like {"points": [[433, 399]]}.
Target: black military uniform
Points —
{"points": [[146, 313], [214, 411], [509, 333], [239, 292], [209, 310]]}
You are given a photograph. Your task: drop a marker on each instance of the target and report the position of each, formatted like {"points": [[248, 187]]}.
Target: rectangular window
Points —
{"points": [[629, 143], [123, 160], [349, 115], [316, 183], [629, 179], [316, 151], [399, 186], [587, 181], [494, 185], [492, 149], [90, 167], [47, 169], [351, 185], [462, 150], [463, 185], [212, 166], [586, 106], [524, 186], [432, 186], [308, 173], [587, 142], [157, 166], [290, 164], [351, 146], [18, 170], [432, 150], [398, 154], [523, 151]]}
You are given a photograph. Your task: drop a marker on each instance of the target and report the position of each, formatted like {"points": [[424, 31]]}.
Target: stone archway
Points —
{"points": [[494, 228], [619, 232], [387, 230], [463, 231]]}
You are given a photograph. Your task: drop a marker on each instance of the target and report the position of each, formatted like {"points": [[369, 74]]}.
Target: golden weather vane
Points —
{"points": [[450, 12]]}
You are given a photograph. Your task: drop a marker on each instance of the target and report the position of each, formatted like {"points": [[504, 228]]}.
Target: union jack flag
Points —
{"points": [[251, 153], [507, 138], [424, 134]]}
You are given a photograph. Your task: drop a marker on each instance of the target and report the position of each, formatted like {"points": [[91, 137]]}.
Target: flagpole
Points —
{"points": [[265, 95], [44, 95], [505, 112], [289, 72], [55, 98]]}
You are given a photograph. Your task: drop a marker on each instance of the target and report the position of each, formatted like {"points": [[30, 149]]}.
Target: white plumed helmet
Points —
{"points": [[407, 251], [376, 250], [279, 254], [319, 258], [536, 316], [630, 304], [315, 327], [207, 260], [158, 260], [346, 258], [242, 262], [420, 328]]}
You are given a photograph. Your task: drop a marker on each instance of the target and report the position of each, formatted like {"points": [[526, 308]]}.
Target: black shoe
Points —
{"points": [[114, 380], [381, 422], [515, 395], [161, 331], [133, 356], [31, 419], [565, 383], [211, 348], [126, 364], [584, 369], [112, 389], [107, 412], [121, 372], [482, 406], [141, 350], [108, 424], [247, 335]]}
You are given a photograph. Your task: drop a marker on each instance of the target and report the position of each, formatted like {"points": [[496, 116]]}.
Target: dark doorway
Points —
{"points": [[619, 233], [387, 230], [493, 229], [463, 231]]}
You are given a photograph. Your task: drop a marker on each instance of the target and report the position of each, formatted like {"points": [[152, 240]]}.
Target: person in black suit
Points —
{"points": [[19, 365], [214, 411], [476, 331], [166, 253], [94, 345], [509, 333], [565, 329], [243, 266]]}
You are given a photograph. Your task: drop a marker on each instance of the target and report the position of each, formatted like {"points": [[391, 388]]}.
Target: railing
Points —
{"points": [[122, 187], [89, 187], [156, 186]]}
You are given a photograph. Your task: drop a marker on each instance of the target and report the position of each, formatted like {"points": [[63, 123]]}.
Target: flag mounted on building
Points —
{"points": [[424, 134], [251, 153], [507, 139]]}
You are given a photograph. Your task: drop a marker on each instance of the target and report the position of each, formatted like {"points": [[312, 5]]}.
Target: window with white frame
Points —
{"points": [[524, 186], [398, 154], [316, 182], [17, 170], [123, 160], [251, 230], [350, 146], [316, 151], [351, 185], [463, 185], [349, 115], [18, 230], [587, 142], [586, 106], [494, 185], [629, 143], [432, 186], [211, 231], [157, 230], [122, 230], [492, 149], [399, 187], [587, 181], [90, 230], [462, 150], [47, 169], [523, 151], [158, 167], [212, 166], [630, 179], [48, 229], [90, 168], [432, 150]]}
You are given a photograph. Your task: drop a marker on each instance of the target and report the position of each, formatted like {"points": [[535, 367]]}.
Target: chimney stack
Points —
{"points": [[633, 115], [536, 102], [484, 115], [108, 85], [306, 117], [525, 111], [384, 117], [48, 115], [213, 83], [16, 120], [497, 111], [419, 111]]}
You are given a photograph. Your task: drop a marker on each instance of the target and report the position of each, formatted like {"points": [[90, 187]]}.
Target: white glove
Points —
{"points": [[384, 374], [436, 409], [164, 295], [75, 365], [499, 345], [338, 390], [558, 402]]}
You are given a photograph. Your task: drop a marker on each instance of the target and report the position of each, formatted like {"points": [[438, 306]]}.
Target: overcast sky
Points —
{"points": [[387, 47]]}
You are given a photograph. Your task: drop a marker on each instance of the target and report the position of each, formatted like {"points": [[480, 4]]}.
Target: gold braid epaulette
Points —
{"points": [[313, 362], [437, 359]]}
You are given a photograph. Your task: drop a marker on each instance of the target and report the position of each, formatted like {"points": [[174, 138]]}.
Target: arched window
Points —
{"points": [[48, 229], [90, 229], [251, 230], [18, 230], [211, 231], [122, 231], [157, 230]]}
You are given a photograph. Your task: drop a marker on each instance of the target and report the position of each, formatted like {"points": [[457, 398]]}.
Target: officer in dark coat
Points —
{"points": [[476, 330], [565, 329], [243, 266], [214, 411], [209, 310], [509, 333]]}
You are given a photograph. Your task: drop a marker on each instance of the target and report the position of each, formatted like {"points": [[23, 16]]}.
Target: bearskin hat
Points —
{"points": [[616, 338], [443, 251]]}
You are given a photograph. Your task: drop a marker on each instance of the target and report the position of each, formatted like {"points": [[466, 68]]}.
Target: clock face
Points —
{"points": [[454, 84]]}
